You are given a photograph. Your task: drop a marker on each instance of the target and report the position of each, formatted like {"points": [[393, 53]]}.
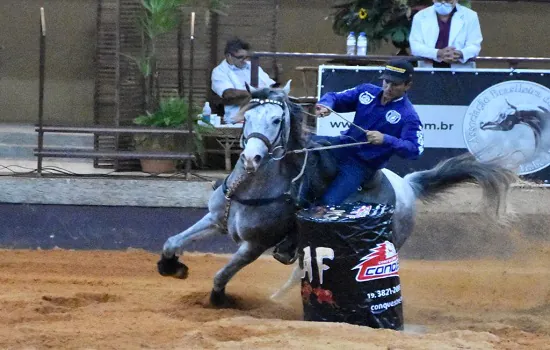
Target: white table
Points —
{"points": [[228, 137]]}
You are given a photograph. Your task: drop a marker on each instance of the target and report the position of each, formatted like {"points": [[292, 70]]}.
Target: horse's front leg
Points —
{"points": [[169, 264], [246, 254]]}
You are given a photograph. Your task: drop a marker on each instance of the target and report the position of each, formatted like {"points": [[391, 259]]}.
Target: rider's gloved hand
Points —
{"points": [[375, 137], [321, 111]]}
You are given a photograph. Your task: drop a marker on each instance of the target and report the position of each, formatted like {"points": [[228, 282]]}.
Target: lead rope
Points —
{"points": [[338, 115], [307, 150], [227, 195]]}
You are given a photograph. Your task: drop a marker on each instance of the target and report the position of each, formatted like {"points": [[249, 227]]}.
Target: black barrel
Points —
{"points": [[350, 265]]}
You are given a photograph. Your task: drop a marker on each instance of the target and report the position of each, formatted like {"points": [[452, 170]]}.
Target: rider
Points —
{"points": [[392, 127], [391, 123]]}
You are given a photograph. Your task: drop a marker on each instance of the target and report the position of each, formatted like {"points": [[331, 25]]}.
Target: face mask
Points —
{"points": [[443, 8]]}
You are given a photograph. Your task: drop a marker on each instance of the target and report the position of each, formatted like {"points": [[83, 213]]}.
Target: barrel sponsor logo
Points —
{"points": [[322, 296], [382, 307], [360, 212], [382, 262]]}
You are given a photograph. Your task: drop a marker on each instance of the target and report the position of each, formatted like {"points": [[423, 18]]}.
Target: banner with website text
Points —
{"points": [[489, 112]]}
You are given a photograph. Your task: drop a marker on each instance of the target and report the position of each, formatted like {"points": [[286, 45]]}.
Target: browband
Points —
{"points": [[274, 102]]}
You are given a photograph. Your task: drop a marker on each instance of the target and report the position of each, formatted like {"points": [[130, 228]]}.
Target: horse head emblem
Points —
{"points": [[505, 121], [534, 118]]}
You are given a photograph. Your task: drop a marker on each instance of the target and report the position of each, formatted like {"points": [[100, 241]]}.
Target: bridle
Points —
{"points": [[280, 137], [229, 190]]}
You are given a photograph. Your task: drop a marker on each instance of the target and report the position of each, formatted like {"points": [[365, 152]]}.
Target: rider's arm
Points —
{"points": [[343, 101], [411, 143]]}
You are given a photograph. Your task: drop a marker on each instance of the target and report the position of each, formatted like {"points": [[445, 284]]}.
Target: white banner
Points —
{"points": [[442, 125]]}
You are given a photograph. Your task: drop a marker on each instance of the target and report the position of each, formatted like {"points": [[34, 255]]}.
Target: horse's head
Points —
{"points": [[534, 117], [267, 125], [505, 121]]}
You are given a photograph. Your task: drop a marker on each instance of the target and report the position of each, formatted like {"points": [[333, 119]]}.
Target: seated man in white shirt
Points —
{"points": [[447, 34], [230, 76]]}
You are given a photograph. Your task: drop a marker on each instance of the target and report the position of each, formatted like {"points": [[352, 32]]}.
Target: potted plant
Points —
{"points": [[381, 20], [173, 112], [157, 18]]}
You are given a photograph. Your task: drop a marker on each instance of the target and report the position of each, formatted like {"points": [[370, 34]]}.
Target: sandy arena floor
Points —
{"points": [[116, 300]]}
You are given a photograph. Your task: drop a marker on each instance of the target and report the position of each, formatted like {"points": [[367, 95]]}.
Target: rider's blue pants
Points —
{"points": [[353, 172]]}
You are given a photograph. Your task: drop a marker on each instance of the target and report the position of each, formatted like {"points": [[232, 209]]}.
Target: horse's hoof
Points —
{"points": [[221, 300], [172, 267]]}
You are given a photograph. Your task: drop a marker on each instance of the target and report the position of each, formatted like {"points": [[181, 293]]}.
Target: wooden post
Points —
{"points": [[117, 81], [254, 70], [42, 74], [180, 60], [213, 51], [190, 119]]}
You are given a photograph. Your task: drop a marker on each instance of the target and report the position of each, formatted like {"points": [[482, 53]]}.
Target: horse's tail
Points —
{"points": [[495, 180]]}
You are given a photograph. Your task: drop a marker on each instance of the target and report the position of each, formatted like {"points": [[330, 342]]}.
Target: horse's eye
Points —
{"points": [[277, 121]]}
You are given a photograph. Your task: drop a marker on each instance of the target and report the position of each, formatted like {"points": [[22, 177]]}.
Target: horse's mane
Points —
{"points": [[538, 122], [299, 135]]}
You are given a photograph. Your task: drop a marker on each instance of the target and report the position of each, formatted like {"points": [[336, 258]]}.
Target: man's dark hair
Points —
{"points": [[236, 44]]}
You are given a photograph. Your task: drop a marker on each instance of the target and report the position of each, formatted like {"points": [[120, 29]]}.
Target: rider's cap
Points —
{"points": [[398, 71]]}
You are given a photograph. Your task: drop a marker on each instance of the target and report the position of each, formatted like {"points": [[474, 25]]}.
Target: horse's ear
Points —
{"points": [[286, 89], [250, 89], [511, 105]]}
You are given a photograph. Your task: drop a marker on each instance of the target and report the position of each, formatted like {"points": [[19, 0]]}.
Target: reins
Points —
{"points": [[229, 191]]}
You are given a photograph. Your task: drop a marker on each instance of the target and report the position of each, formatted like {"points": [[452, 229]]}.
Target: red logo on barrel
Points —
{"points": [[382, 262], [324, 296]]}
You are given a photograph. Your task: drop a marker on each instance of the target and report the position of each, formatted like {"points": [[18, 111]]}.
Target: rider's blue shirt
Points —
{"points": [[397, 120]]}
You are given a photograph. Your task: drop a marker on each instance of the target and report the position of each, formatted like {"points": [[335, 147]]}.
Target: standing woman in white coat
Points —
{"points": [[446, 34]]}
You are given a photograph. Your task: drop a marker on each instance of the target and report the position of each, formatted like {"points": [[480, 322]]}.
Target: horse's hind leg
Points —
{"points": [[169, 265], [403, 225], [293, 280], [246, 254]]}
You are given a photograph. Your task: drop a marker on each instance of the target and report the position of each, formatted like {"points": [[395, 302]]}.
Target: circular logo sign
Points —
{"points": [[510, 121]]}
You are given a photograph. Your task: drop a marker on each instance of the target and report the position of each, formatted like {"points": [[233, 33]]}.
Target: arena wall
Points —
{"points": [[71, 213]]}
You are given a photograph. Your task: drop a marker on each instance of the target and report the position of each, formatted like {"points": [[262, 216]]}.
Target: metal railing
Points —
{"points": [[80, 153], [255, 57]]}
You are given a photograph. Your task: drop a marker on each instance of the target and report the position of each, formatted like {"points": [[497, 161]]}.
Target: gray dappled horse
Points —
{"points": [[256, 205]]}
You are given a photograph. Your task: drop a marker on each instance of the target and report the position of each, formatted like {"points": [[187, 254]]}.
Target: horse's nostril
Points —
{"points": [[257, 158]]}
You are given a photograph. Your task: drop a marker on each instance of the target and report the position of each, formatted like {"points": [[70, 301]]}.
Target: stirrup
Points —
{"points": [[285, 259]]}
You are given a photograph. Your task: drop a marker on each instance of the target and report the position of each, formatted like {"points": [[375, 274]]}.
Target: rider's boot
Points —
{"points": [[286, 252]]}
